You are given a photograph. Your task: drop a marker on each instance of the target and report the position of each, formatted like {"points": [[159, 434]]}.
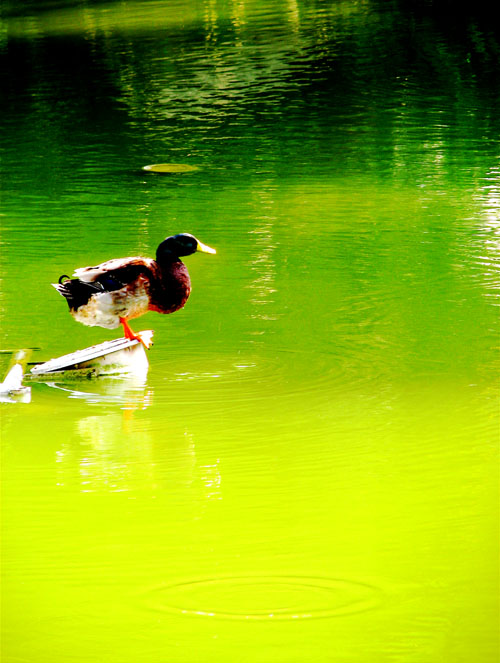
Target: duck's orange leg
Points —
{"points": [[143, 337], [127, 331]]}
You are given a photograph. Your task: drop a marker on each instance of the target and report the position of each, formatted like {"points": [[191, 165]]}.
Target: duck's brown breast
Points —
{"points": [[170, 288]]}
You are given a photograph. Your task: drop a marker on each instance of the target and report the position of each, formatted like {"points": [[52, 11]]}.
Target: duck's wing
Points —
{"points": [[117, 273]]}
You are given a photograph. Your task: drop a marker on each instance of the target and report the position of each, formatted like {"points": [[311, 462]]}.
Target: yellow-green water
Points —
{"points": [[309, 472]]}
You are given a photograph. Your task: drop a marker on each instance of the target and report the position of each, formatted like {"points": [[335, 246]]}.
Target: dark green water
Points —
{"points": [[310, 470]]}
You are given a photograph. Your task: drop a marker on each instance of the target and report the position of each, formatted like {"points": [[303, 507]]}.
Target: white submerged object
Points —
{"points": [[109, 358], [13, 380], [12, 389]]}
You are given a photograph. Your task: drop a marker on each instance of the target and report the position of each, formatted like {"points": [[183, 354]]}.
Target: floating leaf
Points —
{"points": [[170, 168]]}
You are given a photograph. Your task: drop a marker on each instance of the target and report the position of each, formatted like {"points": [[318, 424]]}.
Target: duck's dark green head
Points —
{"points": [[178, 246]]}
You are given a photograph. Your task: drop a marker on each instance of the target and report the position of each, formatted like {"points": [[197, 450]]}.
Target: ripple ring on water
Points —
{"points": [[254, 598]]}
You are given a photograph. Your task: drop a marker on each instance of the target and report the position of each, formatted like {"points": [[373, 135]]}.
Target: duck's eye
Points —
{"points": [[189, 243]]}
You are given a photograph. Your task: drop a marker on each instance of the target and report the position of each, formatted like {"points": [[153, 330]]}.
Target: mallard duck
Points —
{"points": [[116, 291]]}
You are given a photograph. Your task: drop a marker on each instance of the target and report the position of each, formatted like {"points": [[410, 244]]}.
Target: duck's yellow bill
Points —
{"points": [[203, 248]]}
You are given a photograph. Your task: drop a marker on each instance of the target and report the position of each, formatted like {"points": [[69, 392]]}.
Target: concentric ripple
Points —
{"points": [[266, 597]]}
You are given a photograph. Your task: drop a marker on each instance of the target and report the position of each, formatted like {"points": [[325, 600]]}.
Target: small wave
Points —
{"points": [[265, 597]]}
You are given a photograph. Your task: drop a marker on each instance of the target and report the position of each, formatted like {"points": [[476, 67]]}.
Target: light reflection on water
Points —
{"points": [[317, 433]]}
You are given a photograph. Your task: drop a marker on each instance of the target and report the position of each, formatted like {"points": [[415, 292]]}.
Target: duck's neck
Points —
{"points": [[173, 272], [166, 258]]}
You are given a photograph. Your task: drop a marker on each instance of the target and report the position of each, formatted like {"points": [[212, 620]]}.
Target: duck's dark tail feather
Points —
{"points": [[77, 293]]}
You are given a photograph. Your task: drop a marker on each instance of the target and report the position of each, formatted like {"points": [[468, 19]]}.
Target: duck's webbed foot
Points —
{"points": [[145, 337]]}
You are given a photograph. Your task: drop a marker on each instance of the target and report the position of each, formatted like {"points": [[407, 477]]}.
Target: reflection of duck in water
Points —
{"points": [[121, 289]]}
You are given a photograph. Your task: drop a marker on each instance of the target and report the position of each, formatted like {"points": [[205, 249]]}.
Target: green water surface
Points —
{"points": [[309, 472]]}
